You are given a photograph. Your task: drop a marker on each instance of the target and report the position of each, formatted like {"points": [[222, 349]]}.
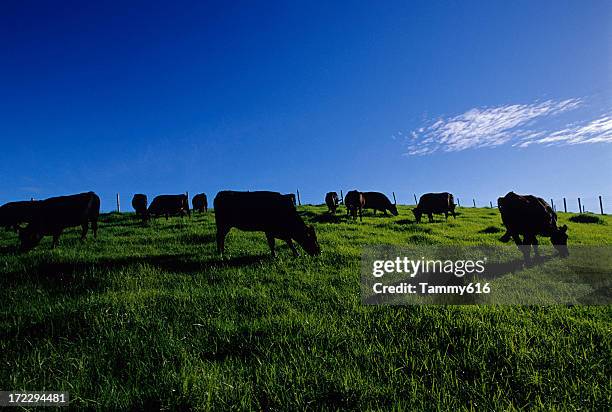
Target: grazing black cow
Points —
{"points": [[200, 202], [378, 201], [139, 203], [53, 215], [169, 205], [269, 212], [354, 202], [331, 200], [13, 214], [530, 216], [430, 203]]}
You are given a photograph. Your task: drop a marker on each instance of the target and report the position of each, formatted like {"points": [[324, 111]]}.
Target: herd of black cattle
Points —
{"points": [[273, 213]]}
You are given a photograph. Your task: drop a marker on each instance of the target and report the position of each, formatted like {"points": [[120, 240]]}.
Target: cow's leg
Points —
{"points": [[292, 247], [271, 243], [445, 215], [360, 215], [84, 228], [430, 215], [56, 237], [94, 227], [221, 233], [533, 240], [166, 216], [523, 247]]}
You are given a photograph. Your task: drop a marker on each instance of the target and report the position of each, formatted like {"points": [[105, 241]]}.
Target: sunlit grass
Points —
{"points": [[151, 317]]}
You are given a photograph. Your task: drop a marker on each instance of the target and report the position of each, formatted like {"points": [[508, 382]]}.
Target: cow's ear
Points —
{"points": [[563, 228]]}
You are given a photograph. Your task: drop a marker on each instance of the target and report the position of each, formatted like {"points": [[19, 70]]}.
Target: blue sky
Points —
{"points": [[475, 98]]}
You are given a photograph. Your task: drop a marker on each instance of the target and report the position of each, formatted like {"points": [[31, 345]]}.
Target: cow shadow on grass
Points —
{"points": [[75, 278], [324, 217]]}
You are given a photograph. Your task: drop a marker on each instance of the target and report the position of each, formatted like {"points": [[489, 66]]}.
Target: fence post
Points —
{"points": [[394, 200], [474, 201], [298, 195], [415, 200], [564, 205], [579, 206], [341, 197], [600, 205], [118, 204], [458, 202], [552, 204]]}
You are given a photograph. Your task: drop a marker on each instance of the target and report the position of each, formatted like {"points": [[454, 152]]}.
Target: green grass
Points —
{"points": [[151, 317]]}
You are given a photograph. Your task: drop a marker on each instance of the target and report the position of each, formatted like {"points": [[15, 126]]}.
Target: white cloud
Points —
{"points": [[514, 124], [594, 131]]}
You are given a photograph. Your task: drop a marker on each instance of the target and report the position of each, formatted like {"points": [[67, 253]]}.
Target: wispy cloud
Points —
{"points": [[594, 131], [514, 124]]}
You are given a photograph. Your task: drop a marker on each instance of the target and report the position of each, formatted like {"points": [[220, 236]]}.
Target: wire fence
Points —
{"points": [[599, 204]]}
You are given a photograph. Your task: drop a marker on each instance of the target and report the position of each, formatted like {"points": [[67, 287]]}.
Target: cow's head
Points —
{"points": [[308, 241], [29, 238], [393, 209], [559, 240], [417, 214]]}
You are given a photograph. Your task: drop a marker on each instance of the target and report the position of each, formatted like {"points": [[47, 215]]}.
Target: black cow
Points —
{"points": [[269, 212], [200, 202], [530, 216], [53, 215], [13, 214], [378, 201], [354, 202], [139, 203], [430, 203], [169, 205], [331, 200]]}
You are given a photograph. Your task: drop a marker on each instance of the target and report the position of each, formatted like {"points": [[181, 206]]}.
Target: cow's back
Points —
{"points": [[375, 200], [526, 214], [436, 202], [168, 204], [66, 211], [267, 211]]}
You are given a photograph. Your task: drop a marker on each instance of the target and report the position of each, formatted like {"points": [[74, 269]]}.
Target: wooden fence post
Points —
{"points": [[474, 201], [298, 195], [118, 204], [415, 200], [564, 205], [491, 204], [394, 200], [552, 204], [600, 205], [579, 206], [458, 202], [341, 197]]}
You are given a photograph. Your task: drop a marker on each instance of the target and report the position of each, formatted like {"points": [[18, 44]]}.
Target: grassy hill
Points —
{"points": [[152, 317]]}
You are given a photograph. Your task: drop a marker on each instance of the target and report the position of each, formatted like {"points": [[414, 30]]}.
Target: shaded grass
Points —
{"points": [[149, 316], [584, 218]]}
